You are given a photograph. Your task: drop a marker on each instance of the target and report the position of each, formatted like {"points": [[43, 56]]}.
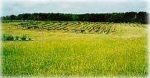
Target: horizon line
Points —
{"points": [[73, 13]]}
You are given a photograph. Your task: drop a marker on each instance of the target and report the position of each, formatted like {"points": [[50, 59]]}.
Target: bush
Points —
{"points": [[24, 38], [30, 39], [17, 38], [7, 37]]}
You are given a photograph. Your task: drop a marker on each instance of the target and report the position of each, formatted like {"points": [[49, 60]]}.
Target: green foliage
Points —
{"points": [[16, 37], [9, 37], [138, 17], [24, 38]]}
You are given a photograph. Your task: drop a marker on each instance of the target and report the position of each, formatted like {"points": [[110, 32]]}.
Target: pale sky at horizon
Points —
{"points": [[72, 6]]}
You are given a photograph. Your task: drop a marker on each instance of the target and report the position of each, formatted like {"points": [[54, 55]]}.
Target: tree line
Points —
{"points": [[128, 17]]}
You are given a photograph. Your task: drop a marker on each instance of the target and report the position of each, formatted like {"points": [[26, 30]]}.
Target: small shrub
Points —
{"points": [[17, 38], [29, 39], [24, 38], [7, 37]]}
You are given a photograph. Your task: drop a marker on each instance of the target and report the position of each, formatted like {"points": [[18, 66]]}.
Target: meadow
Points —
{"points": [[75, 49]]}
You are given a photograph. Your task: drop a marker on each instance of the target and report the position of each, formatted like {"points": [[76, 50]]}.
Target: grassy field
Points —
{"points": [[58, 53]]}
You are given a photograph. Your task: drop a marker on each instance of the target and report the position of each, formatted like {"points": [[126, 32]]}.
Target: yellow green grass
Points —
{"points": [[122, 53]]}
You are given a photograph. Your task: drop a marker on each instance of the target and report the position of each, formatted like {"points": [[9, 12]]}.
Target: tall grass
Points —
{"points": [[123, 53]]}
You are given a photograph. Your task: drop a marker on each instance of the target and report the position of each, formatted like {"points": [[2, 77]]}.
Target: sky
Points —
{"points": [[16, 7]]}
